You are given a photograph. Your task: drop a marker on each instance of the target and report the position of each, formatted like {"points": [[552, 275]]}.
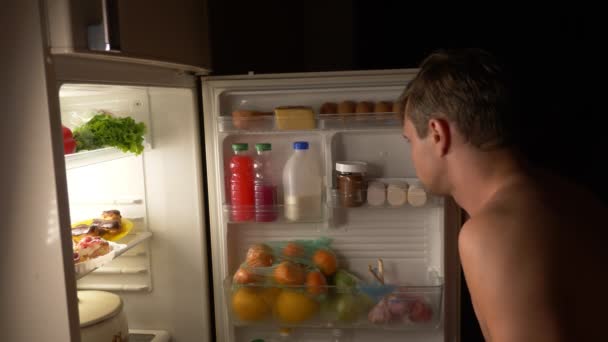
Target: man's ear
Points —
{"points": [[441, 135]]}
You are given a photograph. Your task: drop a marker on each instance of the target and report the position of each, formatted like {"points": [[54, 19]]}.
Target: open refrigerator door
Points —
{"points": [[377, 260], [136, 196]]}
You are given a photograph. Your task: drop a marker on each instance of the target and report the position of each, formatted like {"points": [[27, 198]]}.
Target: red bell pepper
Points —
{"points": [[69, 144]]}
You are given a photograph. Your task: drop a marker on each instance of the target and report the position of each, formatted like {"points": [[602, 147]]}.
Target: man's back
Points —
{"points": [[534, 259]]}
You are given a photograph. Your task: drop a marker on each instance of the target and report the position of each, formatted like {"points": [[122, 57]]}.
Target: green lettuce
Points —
{"points": [[104, 130]]}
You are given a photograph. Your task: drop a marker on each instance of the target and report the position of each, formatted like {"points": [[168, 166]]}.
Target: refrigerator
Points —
{"points": [[174, 273]]}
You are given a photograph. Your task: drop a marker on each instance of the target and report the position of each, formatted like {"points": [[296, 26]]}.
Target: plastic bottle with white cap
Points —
{"points": [[302, 184]]}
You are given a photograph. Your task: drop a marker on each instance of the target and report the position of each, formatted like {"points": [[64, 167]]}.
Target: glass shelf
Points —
{"points": [[323, 122], [84, 268], [388, 307], [268, 214]]}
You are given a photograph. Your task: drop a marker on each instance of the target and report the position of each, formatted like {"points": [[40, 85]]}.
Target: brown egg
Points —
{"points": [[346, 107], [288, 273], [259, 255], [328, 108], [365, 107], [398, 107], [383, 107]]}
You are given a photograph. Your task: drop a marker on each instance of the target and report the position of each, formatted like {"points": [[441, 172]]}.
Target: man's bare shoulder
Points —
{"points": [[527, 253]]}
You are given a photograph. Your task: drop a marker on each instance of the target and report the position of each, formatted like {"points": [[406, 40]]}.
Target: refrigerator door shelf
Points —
{"points": [[102, 155], [249, 215], [385, 193], [137, 335], [118, 249], [351, 121], [372, 306]]}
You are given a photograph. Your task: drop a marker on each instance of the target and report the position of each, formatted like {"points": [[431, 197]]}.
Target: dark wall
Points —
{"points": [[553, 56]]}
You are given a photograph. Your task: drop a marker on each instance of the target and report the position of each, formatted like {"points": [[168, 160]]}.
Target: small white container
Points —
{"points": [[396, 193], [376, 194], [416, 195]]}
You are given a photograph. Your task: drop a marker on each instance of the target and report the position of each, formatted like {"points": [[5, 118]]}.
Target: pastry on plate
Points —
{"points": [[91, 247], [110, 223]]}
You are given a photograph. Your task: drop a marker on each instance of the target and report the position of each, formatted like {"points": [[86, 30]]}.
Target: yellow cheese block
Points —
{"points": [[294, 117]]}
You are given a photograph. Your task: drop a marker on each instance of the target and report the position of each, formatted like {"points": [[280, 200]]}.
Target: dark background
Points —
{"points": [[555, 57]]}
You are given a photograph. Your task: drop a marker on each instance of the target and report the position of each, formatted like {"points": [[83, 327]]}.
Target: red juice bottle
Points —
{"points": [[241, 184], [265, 189]]}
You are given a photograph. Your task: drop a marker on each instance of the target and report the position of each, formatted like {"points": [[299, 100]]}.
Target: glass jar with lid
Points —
{"points": [[351, 183]]}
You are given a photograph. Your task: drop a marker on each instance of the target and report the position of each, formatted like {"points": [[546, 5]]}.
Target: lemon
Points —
{"points": [[269, 295], [249, 305], [294, 307]]}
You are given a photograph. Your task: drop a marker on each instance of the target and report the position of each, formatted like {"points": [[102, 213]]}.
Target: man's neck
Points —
{"points": [[478, 176]]}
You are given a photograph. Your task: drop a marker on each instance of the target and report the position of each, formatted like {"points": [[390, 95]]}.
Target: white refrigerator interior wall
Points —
{"points": [[409, 240], [161, 191]]}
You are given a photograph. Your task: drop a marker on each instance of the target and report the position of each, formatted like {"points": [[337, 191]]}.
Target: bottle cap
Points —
{"points": [[263, 147], [300, 145], [351, 167], [240, 147]]}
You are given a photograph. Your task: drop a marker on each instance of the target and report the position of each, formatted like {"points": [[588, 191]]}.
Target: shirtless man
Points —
{"points": [[534, 250]]}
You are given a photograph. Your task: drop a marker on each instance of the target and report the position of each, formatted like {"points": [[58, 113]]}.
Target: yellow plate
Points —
{"points": [[125, 227]]}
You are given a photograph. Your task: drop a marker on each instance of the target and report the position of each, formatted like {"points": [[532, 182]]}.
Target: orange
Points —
{"points": [[293, 250], [244, 276], [294, 307], [249, 305], [326, 261], [288, 273], [316, 283], [259, 255]]}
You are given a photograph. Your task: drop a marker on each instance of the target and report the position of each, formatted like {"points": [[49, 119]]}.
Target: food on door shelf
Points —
{"points": [[294, 117], [245, 276], [293, 250], [383, 107], [89, 248], [345, 281], [364, 107], [259, 255], [376, 193], [346, 107], [348, 307], [316, 283], [329, 108], [396, 193], [294, 307], [249, 304], [288, 273], [105, 130], [350, 107], [111, 226], [398, 107], [326, 261], [69, 144], [401, 308], [247, 119], [416, 195]]}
